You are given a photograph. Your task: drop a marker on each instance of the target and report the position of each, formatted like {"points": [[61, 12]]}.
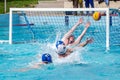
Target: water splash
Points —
{"points": [[73, 58]]}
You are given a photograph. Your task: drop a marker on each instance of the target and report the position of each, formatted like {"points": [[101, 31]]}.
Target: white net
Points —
{"points": [[114, 27], [4, 28], [48, 25]]}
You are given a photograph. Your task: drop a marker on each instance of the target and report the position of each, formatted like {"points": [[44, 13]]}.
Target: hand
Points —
{"points": [[80, 21], [90, 40], [87, 24]]}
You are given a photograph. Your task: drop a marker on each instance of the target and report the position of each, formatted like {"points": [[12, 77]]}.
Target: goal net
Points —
{"points": [[47, 25], [114, 27]]}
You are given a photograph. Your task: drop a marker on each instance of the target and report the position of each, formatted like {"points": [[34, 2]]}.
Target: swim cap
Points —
{"points": [[61, 49], [46, 58], [59, 43]]}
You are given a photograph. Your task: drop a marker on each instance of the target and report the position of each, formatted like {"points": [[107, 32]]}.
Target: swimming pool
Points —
{"points": [[88, 63]]}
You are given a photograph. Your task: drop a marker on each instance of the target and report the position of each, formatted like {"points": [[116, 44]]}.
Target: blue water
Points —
{"points": [[87, 63], [92, 62]]}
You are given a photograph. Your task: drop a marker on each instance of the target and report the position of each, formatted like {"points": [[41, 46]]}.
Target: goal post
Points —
{"points": [[34, 31], [10, 26], [107, 30]]}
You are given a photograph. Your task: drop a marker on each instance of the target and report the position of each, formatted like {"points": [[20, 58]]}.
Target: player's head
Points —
{"points": [[46, 58], [71, 39], [61, 49]]}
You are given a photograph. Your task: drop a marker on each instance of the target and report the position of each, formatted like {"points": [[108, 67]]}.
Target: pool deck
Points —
{"points": [[68, 4], [50, 4]]}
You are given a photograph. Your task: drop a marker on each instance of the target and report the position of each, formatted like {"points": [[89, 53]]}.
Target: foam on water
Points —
{"points": [[73, 58]]}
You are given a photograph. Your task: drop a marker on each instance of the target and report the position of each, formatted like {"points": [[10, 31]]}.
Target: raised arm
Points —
{"points": [[82, 34], [72, 29]]}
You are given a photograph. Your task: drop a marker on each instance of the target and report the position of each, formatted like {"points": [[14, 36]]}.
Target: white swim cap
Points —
{"points": [[61, 49]]}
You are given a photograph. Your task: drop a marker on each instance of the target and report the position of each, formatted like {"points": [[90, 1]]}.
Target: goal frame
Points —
{"points": [[62, 9]]}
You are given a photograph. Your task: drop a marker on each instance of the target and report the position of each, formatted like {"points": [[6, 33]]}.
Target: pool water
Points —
{"points": [[85, 64], [92, 62]]}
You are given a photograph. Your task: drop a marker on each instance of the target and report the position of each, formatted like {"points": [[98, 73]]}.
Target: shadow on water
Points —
{"points": [[82, 65]]}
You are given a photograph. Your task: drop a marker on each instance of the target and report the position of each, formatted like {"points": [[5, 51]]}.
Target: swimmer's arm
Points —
{"points": [[78, 40], [69, 51], [72, 29], [83, 44], [24, 69], [90, 40], [86, 42], [35, 66]]}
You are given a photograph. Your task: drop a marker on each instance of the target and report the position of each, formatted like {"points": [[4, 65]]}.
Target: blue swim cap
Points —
{"points": [[59, 43], [46, 58], [61, 48]]}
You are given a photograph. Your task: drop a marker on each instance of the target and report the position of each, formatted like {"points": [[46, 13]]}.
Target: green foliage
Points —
{"points": [[17, 4]]}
